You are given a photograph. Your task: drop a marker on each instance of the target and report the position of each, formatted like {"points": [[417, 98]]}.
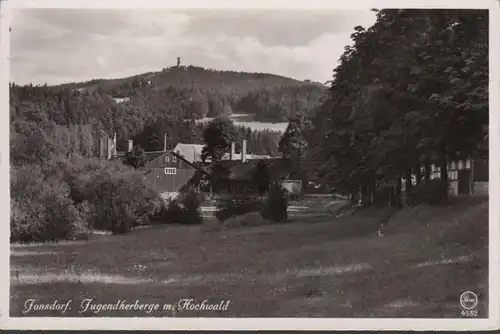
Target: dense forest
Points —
{"points": [[411, 91], [167, 102], [80, 118], [201, 92]]}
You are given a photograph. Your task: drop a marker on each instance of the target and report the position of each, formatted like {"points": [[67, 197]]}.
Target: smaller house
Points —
{"points": [[240, 175], [237, 174]]}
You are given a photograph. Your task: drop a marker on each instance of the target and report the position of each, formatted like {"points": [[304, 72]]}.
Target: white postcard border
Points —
{"points": [[254, 323]]}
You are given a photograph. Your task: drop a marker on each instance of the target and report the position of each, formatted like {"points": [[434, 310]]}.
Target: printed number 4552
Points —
{"points": [[469, 313]]}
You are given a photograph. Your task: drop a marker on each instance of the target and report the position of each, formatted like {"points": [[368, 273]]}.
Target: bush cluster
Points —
{"points": [[184, 209], [67, 198], [273, 208], [120, 201], [276, 205], [41, 208]]}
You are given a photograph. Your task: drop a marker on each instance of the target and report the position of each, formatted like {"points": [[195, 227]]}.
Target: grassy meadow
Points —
{"points": [[317, 266]]}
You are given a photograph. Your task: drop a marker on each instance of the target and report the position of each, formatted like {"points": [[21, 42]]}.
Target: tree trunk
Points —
{"points": [[392, 196], [444, 175], [397, 193], [353, 198], [408, 186], [372, 192], [427, 175], [365, 196], [418, 175]]}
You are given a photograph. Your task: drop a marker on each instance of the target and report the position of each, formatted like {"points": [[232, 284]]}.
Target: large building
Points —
{"points": [[170, 170]]}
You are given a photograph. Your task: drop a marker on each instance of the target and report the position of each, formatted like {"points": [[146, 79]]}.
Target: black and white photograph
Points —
{"points": [[249, 163]]}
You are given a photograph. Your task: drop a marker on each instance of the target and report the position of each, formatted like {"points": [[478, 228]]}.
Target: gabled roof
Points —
{"points": [[190, 152], [278, 169], [152, 155], [237, 156]]}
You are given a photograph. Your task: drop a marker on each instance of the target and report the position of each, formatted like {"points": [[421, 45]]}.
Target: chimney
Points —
{"points": [[130, 145], [114, 152], [244, 151], [165, 143], [102, 148], [233, 151], [109, 149]]}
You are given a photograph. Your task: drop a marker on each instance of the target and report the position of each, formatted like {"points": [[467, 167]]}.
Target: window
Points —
{"points": [[167, 158], [174, 159], [170, 171]]}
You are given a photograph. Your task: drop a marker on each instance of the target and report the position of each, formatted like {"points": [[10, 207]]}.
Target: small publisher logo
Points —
{"points": [[468, 300]]}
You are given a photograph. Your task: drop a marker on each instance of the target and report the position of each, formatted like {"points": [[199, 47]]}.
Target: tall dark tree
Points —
{"points": [[293, 143], [403, 96], [136, 158], [217, 137], [261, 177]]}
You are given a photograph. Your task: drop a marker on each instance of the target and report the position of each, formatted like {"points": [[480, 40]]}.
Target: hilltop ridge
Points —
{"points": [[269, 97]]}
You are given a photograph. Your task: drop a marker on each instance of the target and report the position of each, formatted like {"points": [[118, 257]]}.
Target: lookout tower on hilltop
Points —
{"points": [[178, 61]]}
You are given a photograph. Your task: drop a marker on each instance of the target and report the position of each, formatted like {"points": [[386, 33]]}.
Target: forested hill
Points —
{"points": [[208, 92]]}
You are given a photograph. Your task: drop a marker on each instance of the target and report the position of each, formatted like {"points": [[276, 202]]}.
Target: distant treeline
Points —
{"points": [[203, 92]]}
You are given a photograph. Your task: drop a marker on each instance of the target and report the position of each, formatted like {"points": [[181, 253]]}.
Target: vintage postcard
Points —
{"points": [[250, 165]]}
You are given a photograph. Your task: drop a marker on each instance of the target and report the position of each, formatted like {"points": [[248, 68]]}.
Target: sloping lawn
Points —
{"points": [[323, 267]]}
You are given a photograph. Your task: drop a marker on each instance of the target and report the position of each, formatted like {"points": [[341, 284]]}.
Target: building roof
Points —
{"points": [[152, 155], [190, 152], [278, 169], [237, 156]]}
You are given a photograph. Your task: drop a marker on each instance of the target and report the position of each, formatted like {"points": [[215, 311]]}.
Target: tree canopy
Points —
{"points": [[411, 91]]}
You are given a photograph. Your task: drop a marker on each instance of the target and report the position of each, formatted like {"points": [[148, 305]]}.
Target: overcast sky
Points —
{"points": [[65, 45]]}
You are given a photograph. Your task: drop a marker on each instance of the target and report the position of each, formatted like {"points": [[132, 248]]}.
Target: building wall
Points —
{"points": [[481, 170], [468, 170], [169, 160], [453, 189], [169, 183], [168, 173], [480, 189]]}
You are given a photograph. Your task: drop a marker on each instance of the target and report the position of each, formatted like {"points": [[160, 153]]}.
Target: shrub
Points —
{"points": [[236, 206], [41, 209], [120, 201], [183, 210], [191, 208], [433, 192], [136, 158], [276, 204]]}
